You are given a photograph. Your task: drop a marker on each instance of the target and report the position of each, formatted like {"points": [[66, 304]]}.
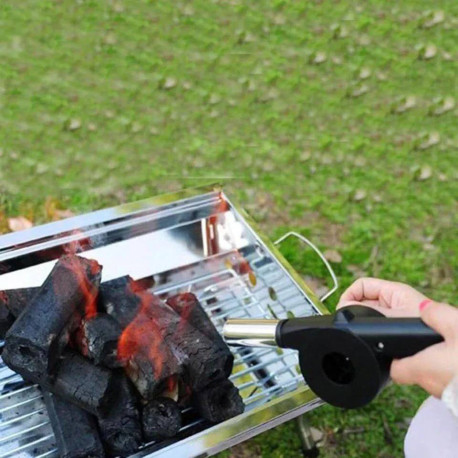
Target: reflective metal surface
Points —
{"points": [[251, 333], [195, 241]]}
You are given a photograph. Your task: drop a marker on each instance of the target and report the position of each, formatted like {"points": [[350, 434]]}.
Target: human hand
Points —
{"points": [[434, 367], [391, 298]]}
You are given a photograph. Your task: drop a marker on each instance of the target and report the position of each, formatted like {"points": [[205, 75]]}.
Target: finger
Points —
{"points": [[403, 371], [442, 318], [365, 288], [389, 312], [422, 369], [368, 303]]}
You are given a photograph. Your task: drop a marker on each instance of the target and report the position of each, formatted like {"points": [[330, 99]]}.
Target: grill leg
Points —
{"points": [[309, 448]]}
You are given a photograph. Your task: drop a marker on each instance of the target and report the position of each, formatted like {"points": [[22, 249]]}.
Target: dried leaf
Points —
{"points": [[359, 195], [333, 256], [318, 57], [339, 31], [404, 104], [442, 105], [364, 73], [424, 173], [358, 91], [73, 124], [427, 52], [169, 83], [214, 99], [428, 140], [432, 18], [19, 223], [305, 156]]}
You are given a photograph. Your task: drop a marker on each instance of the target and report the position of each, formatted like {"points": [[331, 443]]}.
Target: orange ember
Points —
{"points": [[172, 383], [87, 289], [143, 337]]}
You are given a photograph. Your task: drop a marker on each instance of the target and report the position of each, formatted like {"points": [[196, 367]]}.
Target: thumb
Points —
{"points": [[442, 318]]}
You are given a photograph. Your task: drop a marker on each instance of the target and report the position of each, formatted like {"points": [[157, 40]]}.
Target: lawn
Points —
{"points": [[336, 119]]}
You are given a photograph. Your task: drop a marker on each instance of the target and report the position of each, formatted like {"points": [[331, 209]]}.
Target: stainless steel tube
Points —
{"points": [[251, 333]]}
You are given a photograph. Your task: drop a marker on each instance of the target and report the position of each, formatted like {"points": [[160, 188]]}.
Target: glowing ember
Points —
{"points": [[86, 287], [144, 337]]}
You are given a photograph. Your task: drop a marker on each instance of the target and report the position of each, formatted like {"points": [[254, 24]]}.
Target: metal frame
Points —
{"points": [[252, 422]]}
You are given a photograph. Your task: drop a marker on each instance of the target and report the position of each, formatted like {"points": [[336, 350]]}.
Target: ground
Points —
{"points": [[335, 119]]}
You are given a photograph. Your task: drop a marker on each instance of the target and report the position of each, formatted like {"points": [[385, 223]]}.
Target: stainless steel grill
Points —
{"points": [[200, 243]]}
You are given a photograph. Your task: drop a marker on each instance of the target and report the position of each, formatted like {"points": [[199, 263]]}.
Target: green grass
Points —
{"points": [[320, 113]]}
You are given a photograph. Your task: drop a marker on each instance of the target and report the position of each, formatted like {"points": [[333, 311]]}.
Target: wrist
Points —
{"points": [[450, 396]]}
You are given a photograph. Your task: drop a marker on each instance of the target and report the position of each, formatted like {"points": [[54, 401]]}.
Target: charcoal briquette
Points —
{"points": [[37, 338], [161, 419], [99, 340], [192, 313], [75, 430], [120, 428], [78, 380], [118, 298], [218, 402]]}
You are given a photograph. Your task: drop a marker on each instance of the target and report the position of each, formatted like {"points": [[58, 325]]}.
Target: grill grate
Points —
{"points": [[260, 373]]}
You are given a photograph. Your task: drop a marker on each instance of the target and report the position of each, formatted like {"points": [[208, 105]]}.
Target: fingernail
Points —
{"points": [[424, 304]]}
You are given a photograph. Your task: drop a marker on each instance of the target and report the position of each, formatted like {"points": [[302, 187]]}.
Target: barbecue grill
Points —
{"points": [[195, 241]]}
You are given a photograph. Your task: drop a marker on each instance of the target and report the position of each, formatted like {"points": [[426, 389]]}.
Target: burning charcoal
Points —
{"points": [[204, 361], [150, 366], [35, 341], [219, 402], [117, 297], [161, 419], [79, 381], [99, 340], [120, 428], [18, 299], [192, 312], [158, 341], [75, 430], [145, 354]]}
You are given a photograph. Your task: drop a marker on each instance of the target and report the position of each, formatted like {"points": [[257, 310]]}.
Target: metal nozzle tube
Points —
{"points": [[251, 333]]}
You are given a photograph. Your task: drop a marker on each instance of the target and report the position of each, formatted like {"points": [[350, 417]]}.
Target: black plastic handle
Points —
{"points": [[394, 337], [390, 337]]}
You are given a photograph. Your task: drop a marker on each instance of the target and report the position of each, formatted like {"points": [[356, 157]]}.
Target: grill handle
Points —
{"points": [[307, 242]]}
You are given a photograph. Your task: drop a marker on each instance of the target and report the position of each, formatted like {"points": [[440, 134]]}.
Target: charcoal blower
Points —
{"points": [[344, 357]]}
